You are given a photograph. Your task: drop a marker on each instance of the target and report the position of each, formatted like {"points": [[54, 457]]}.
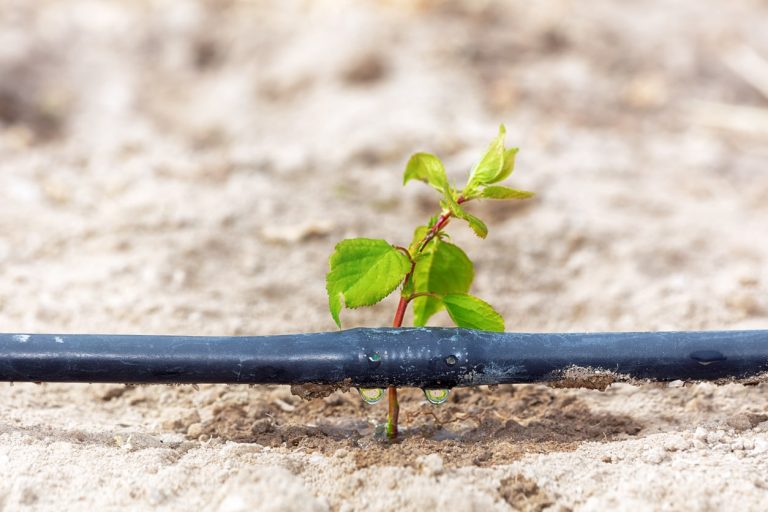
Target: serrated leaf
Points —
{"points": [[470, 312], [443, 269], [491, 164], [477, 225], [499, 192], [509, 165], [363, 272], [427, 168]]}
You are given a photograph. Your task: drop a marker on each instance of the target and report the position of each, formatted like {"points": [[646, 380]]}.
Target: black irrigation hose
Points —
{"points": [[426, 357]]}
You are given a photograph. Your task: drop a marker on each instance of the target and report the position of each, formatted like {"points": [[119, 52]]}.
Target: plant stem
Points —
{"points": [[422, 294], [440, 224], [393, 410], [400, 313], [394, 406]]}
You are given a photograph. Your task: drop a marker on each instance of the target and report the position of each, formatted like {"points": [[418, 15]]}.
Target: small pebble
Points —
{"points": [[739, 422], [284, 406], [431, 464], [677, 444], [262, 426], [655, 456], [195, 430], [699, 445], [715, 437], [760, 446]]}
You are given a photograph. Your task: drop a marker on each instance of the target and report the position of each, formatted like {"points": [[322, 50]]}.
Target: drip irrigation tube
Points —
{"points": [[367, 358]]}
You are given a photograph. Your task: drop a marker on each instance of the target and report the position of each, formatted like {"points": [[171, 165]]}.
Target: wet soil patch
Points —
{"points": [[481, 427]]}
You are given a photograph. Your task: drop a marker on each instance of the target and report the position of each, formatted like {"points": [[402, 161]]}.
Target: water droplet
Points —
{"points": [[436, 396], [451, 360], [374, 359], [371, 395], [707, 357]]}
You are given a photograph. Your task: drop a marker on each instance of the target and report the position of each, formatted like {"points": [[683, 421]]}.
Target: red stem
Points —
{"points": [[400, 313], [394, 406], [440, 224]]}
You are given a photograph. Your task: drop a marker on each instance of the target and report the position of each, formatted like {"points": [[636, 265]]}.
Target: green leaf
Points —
{"points": [[444, 269], [426, 168], [499, 192], [363, 271], [477, 225], [418, 235], [491, 164], [472, 313], [508, 167]]}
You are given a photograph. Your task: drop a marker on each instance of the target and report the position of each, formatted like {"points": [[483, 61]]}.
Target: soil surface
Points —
{"points": [[187, 168]]}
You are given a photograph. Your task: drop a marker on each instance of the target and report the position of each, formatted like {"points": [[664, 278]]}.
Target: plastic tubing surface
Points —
{"points": [[419, 357]]}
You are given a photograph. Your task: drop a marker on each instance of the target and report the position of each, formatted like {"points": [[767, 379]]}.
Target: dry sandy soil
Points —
{"points": [[172, 167]]}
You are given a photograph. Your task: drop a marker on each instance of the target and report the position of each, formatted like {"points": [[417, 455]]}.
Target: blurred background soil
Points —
{"points": [[187, 167]]}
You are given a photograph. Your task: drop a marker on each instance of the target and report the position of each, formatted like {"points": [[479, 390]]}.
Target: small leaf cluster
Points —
{"points": [[433, 273]]}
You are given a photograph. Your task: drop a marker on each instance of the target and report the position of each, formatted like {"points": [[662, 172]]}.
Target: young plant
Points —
{"points": [[433, 274]]}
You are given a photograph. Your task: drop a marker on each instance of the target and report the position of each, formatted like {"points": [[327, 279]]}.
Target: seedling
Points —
{"points": [[432, 273]]}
